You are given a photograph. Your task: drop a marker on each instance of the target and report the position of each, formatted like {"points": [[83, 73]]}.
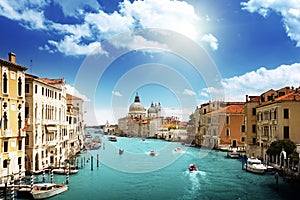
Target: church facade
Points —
{"points": [[141, 122]]}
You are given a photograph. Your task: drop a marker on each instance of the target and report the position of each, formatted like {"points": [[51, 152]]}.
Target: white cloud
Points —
{"points": [[289, 10], [29, 18], [257, 82], [116, 93], [189, 92], [212, 40], [74, 92], [70, 45], [94, 25]]}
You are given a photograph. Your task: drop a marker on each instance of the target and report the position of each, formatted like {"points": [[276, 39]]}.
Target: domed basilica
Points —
{"points": [[138, 111]]}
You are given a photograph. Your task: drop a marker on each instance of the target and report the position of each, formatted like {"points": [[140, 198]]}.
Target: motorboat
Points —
{"points": [[255, 165], [192, 167], [121, 151], [178, 149], [46, 190], [112, 138], [234, 154], [152, 153]]}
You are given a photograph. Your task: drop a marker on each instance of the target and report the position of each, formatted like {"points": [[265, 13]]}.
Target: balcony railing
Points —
{"points": [[7, 133]]}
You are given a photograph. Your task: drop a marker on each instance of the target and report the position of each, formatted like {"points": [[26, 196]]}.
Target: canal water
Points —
{"points": [[137, 175]]}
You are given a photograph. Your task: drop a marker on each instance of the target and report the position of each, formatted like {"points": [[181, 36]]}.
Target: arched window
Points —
{"points": [[227, 132], [5, 120], [4, 82], [19, 86], [19, 121]]}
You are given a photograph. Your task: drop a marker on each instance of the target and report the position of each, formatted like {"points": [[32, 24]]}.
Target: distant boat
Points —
{"points": [[112, 138], [121, 151], [152, 153], [46, 190]]}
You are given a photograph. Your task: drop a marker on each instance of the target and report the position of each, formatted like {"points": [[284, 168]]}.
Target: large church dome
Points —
{"points": [[136, 107]]}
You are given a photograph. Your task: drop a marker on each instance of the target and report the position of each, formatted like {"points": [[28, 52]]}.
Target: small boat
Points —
{"points": [[192, 167], [152, 153], [121, 151], [112, 138], [64, 171], [254, 165], [234, 154], [46, 190], [178, 149]]}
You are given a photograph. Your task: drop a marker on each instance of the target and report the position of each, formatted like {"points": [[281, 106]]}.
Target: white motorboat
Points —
{"points": [[46, 190], [254, 165], [64, 171], [234, 154]]}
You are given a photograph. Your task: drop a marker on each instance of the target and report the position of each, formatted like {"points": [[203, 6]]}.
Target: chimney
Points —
{"points": [[12, 57], [247, 98]]}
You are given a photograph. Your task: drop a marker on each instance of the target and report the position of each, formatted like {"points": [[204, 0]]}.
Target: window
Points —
{"points": [[5, 121], [42, 90], [253, 128], [227, 119], [243, 139], [4, 82], [35, 89], [275, 114], [19, 161], [243, 128], [5, 146], [20, 145], [27, 140], [286, 113], [253, 140], [19, 121], [253, 111], [227, 132], [5, 163], [286, 132], [26, 88], [20, 86]]}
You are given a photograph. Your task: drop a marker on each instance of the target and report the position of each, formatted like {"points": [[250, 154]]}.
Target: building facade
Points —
{"points": [[12, 134]]}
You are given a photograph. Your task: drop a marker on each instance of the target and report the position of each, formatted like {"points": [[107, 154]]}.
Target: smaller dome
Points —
{"points": [[152, 109]]}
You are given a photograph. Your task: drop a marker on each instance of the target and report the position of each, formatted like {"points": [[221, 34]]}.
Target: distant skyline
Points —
{"points": [[109, 50]]}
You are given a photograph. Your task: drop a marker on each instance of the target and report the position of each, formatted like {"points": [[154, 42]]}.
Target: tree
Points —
{"points": [[288, 146]]}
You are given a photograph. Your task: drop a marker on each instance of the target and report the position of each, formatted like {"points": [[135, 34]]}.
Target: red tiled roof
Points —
{"points": [[52, 81], [292, 96], [231, 109], [71, 97]]}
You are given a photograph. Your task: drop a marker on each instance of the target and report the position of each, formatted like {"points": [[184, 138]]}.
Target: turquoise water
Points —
{"points": [[137, 175]]}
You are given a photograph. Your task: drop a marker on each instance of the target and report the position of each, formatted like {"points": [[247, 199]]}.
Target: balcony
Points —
{"points": [[7, 133], [264, 138], [51, 143]]}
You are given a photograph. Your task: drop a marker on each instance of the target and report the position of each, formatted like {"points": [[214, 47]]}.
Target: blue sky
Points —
{"points": [[178, 53]]}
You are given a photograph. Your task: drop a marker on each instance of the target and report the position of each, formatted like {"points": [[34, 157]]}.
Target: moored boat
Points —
{"points": [[255, 165], [46, 190], [64, 171], [234, 154]]}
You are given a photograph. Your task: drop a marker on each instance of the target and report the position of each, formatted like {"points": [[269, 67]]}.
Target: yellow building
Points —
{"points": [[12, 135], [278, 118]]}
